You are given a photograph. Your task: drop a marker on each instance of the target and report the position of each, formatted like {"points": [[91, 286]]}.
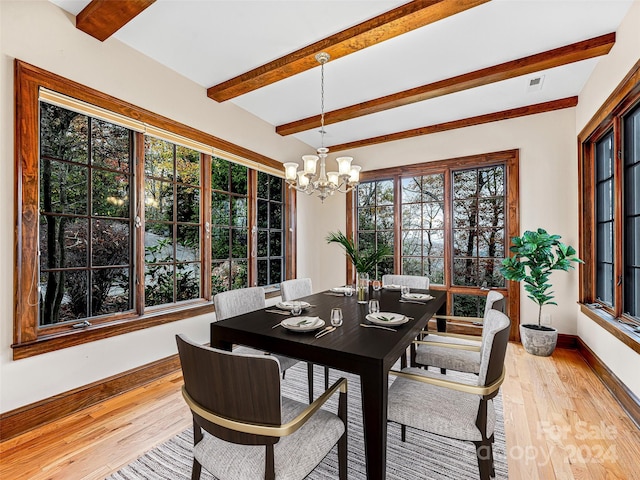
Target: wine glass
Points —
{"points": [[348, 291], [374, 306], [376, 285], [404, 289], [296, 308], [336, 317]]}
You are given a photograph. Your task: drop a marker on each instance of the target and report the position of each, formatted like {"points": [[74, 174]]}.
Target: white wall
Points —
{"points": [[609, 72], [40, 33]]}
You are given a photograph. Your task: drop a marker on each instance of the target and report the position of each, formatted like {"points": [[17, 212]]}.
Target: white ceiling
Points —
{"points": [[210, 41]]}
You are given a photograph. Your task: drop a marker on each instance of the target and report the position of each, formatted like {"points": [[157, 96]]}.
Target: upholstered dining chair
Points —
{"points": [[243, 429], [463, 410], [244, 300], [411, 281], [291, 290], [450, 351]]}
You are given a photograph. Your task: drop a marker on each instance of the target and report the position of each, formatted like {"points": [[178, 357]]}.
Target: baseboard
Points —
{"points": [[567, 341], [625, 397], [31, 416]]}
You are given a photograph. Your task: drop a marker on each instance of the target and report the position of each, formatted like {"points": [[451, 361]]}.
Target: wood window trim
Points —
{"points": [[511, 159], [608, 117], [28, 338]]}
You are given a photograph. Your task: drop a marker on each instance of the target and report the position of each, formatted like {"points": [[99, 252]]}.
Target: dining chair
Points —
{"points": [[244, 429], [292, 290], [244, 300], [450, 351], [462, 410], [412, 281]]}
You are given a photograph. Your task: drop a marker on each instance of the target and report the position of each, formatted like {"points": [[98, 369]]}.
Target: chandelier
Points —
{"points": [[324, 183]]}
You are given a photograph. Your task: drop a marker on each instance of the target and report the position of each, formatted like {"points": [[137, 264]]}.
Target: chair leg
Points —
{"points": [[484, 453], [196, 470], [443, 371], [403, 433], [342, 443], [326, 378], [310, 380]]}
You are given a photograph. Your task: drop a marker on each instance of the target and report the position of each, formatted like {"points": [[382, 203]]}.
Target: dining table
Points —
{"points": [[367, 352]]}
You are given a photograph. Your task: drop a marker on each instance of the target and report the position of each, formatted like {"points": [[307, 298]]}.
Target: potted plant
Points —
{"points": [[364, 261], [537, 254]]}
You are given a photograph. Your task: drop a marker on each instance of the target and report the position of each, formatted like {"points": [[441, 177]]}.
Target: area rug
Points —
{"points": [[422, 456]]}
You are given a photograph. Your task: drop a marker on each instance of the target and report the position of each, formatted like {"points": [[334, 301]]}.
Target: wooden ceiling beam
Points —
{"points": [[465, 122], [390, 24], [567, 54], [103, 18]]}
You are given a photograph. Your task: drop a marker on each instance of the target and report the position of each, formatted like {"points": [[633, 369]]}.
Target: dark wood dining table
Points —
{"points": [[367, 352]]}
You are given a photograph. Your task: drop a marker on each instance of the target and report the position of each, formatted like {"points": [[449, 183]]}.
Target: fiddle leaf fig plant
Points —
{"points": [[537, 255]]}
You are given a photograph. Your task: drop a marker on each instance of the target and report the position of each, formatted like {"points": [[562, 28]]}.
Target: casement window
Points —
{"points": [[448, 220], [610, 213], [126, 220]]}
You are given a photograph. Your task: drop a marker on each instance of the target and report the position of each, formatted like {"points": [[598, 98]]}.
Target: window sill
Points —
{"points": [[619, 330], [72, 337]]}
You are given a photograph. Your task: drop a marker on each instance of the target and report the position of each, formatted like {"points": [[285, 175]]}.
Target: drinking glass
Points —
{"points": [[405, 290], [376, 285], [374, 306], [296, 308], [348, 291], [336, 317]]}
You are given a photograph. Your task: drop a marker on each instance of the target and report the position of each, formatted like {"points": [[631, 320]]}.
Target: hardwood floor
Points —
{"points": [[560, 421]]}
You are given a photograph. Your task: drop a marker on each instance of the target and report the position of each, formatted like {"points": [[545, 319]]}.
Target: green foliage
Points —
{"points": [[537, 254], [364, 260]]}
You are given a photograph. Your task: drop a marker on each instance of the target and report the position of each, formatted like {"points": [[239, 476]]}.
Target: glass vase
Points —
{"points": [[362, 287]]}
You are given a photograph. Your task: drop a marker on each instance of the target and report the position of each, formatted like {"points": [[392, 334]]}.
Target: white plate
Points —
{"points": [[297, 324], [289, 305], [393, 318], [392, 287], [339, 289], [417, 296]]}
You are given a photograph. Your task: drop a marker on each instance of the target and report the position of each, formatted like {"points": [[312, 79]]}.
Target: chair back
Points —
{"points": [[297, 288], [495, 337], [237, 302], [411, 281], [240, 387], [495, 301]]}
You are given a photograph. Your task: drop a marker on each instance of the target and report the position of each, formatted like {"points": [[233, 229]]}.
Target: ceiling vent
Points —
{"points": [[535, 84]]}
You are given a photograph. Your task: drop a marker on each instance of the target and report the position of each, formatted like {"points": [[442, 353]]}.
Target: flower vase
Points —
{"points": [[362, 287]]}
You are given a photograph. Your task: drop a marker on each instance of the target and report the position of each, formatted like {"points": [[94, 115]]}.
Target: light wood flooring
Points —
{"points": [[560, 421]]}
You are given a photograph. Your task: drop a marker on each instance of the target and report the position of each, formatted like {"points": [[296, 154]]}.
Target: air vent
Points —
{"points": [[535, 84]]}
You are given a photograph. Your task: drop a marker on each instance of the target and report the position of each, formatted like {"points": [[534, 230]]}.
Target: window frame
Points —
{"points": [[29, 338], [508, 158], [608, 118]]}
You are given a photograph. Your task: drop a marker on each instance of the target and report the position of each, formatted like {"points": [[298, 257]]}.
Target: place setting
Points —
{"points": [[294, 307], [343, 291], [383, 320], [408, 297]]}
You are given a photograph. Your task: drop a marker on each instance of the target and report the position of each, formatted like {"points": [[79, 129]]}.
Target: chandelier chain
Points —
{"points": [[322, 104]]}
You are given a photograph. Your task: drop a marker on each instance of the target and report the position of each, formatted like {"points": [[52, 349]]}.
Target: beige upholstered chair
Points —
{"points": [[291, 290], [411, 281], [244, 300], [434, 403], [243, 429], [452, 351]]}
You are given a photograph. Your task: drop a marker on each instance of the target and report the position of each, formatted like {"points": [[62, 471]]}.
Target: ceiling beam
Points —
{"points": [[465, 122], [103, 18], [567, 54], [390, 24]]}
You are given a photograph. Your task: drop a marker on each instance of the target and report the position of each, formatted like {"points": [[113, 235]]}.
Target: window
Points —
{"points": [[453, 224], [270, 226], [375, 220], [610, 213], [127, 220], [229, 226], [86, 266]]}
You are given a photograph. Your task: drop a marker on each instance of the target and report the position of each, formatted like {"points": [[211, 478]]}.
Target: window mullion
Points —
{"points": [[252, 227], [139, 221], [618, 227], [205, 226]]}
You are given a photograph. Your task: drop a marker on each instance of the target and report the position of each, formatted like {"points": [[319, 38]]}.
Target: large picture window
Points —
{"points": [[126, 220], [610, 213], [449, 221]]}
